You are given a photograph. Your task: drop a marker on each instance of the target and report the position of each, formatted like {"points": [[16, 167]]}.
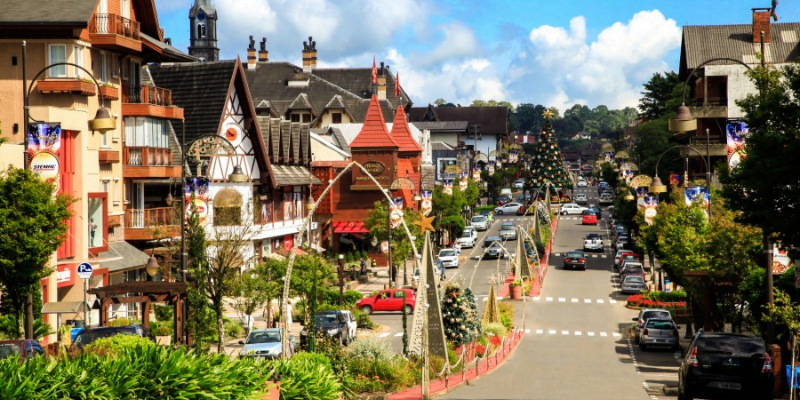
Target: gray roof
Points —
{"points": [[167, 48], [294, 175], [121, 256], [701, 43], [441, 146], [39, 12], [492, 120], [441, 125]]}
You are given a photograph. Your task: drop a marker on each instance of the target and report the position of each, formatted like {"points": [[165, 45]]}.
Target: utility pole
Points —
{"points": [[389, 232]]}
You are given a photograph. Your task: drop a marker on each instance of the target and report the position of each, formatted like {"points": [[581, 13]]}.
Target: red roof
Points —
{"points": [[403, 165], [402, 133], [374, 132], [349, 227]]}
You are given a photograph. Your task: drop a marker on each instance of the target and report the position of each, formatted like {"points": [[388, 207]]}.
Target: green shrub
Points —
{"points": [[163, 313], [163, 330], [307, 378], [233, 329], [363, 320], [506, 314], [495, 329], [312, 357], [117, 345], [371, 375], [371, 347], [350, 297], [122, 321], [673, 296]]}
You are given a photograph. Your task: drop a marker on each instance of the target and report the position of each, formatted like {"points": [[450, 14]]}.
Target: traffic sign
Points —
{"points": [[84, 270]]}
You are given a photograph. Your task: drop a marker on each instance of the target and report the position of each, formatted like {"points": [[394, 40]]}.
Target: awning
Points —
{"points": [[65, 307], [349, 227], [121, 256], [293, 175]]}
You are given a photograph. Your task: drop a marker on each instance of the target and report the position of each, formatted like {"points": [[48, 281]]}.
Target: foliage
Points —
{"points": [[639, 300], [608, 174], [494, 329], [251, 290], [163, 330], [763, 188], [121, 321], [116, 345], [657, 295], [459, 315], [448, 207], [41, 329], [371, 347], [784, 312], [34, 225], [163, 313], [506, 314], [401, 247], [658, 91], [307, 378], [200, 321], [310, 272], [232, 328], [350, 296]]}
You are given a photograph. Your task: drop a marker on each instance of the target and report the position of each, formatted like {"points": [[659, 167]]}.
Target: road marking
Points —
{"points": [[574, 300], [539, 331], [612, 301], [552, 331], [594, 255], [587, 301], [557, 254], [603, 334], [486, 298], [527, 331], [549, 299], [590, 333], [565, 332], [600, 301], [616, 334], [536, 298], [577, 333], [605, 256], [561, 299], [398, 334], [385, 334]]}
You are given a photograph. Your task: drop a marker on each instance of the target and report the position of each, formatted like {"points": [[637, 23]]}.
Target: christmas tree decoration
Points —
{"points": [[548, 165], [492, 312], [460, 315]]}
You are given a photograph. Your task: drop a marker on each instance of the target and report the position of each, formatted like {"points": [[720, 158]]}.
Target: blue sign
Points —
{"points": [[84, 270]]}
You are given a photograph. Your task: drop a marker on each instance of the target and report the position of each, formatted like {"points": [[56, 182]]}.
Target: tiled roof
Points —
{"points": [[492, 120], [301, 103], [701, 43], [401, 133], [374, 132], [442, 125], [348, 132], [336, 102], [200, 88], [62, 12], [359, 82]]}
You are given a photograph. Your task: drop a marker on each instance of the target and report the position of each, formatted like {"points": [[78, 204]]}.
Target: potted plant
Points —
{"points": [[163, 335], [65, 335], [515, 288]]}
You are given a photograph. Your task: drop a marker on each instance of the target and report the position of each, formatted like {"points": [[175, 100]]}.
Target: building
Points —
{"points": [[716, 86], [108, 40], [487, 127], [203, 31]]}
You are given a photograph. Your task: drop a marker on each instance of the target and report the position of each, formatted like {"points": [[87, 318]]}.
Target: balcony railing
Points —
{"points": [[114, 24], [150, 217], [709, 101], [147, 94], [147, 156]]}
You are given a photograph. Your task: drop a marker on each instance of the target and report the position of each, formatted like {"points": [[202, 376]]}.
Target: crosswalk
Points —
{"points": [[574, 300], [587, 255], [566, 332]]}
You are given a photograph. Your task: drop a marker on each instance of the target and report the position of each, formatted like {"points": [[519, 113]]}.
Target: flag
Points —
{"points": [[397, 85], [374, 72]]}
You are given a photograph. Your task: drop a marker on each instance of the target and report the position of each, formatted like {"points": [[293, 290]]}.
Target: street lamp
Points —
{"points": [[152, 266], [657, 187]]}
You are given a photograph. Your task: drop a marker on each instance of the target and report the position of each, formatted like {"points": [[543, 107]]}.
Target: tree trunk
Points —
{"points": [[220, 333], [29, 317]]}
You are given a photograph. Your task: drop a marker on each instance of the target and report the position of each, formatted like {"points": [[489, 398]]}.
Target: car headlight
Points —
{"points": [[333, 331]]}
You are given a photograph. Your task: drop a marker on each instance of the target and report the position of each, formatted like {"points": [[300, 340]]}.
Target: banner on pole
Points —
{"points": [[736, 133], [396, 213], [447, 188], [426, 205], [650, 208], [199, 188], [44, 151]]}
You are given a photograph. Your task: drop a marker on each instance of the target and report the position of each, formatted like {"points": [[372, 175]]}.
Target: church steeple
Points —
{"points": [[203, 31]]}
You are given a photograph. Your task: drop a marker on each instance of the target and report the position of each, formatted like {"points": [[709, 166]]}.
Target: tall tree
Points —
{"points": [[657, 92], [33, 225], [200, 318]]}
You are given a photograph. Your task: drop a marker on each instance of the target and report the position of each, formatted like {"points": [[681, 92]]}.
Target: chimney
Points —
{"points": [[309, 55], [263, 54], [251, 54], [382, 82], [761, 24]]}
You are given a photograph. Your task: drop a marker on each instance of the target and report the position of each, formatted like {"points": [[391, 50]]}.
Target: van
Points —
{"points": [[505, 191]]}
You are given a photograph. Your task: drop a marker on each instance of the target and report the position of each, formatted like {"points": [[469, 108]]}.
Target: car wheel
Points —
{"points": [[642, 346], [499, 212], [409, 309], [367, 310], [685, 395]]}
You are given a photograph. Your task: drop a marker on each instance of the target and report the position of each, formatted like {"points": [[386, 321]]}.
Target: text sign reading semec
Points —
{"points": [[84, 270]]}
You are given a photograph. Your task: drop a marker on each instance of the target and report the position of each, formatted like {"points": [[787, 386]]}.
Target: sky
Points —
{"points": [[554, 53]]}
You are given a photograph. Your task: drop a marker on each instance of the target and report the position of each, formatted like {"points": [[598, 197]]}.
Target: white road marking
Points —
{"points": [[536, 298], [486, 298], [574, 300], [603, 334], [590, 333], [557, 254], [616, 334], [577, 333], [385, 334], [605, 256], [527, 331], [552, 331], [398, 334], [549, 299], [612, 301], [565, 332], [594, 255], [539, 331], [600, 301], [587, 301], [561, 299]]}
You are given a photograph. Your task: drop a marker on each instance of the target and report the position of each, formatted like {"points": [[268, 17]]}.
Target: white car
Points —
{"points": [[572, 209], [351, 323], [582, 184], [468, 238], [508, 208], [519, 184], [448, 257], [480, 222], [606, 198], [581, 198]]}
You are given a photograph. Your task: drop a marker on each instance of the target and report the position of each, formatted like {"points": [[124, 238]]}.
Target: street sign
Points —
{"points": [[84, 270]]}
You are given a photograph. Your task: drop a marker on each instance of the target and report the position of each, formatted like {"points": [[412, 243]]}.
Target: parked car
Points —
{"points": [[508, 208], [644, 315], [448, 257], [335, 323], [519, 184], [622, 242], [619, 255], [633, 284], [468, 238], [593, 242], [389, 300], [660, 332], [503, 199], [629, 261], [724, 365], [575, 260], [631, 269], [606, 198], [581, 198], [87, 336], [572, 209], [265, 343], [22, 349], [492, 248], [589, 218], [596, 210], [508, 231], [582, 184], [480, 222]]}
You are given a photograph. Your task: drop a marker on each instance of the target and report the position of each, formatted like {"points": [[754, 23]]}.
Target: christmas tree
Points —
{"points": [[492, 312], [459, 315], [548, 163]]}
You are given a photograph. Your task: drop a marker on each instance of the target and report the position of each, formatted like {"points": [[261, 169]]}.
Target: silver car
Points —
{"points": [[265, 343], [507, 231], [480, 223], [659, 332], [644, 315], [633, 284]]}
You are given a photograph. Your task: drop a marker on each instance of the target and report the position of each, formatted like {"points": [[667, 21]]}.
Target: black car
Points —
{"points": [[575, 260], [333, 323], [597, 211], [87, 336], [726, 365]]}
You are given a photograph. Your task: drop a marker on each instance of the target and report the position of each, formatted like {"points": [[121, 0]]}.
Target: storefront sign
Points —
{"points": [[44, 151], [374, 167], [65, 276]]}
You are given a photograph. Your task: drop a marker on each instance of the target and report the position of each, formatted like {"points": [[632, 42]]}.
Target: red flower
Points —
{"points": [[480, 350], [495, 341]]}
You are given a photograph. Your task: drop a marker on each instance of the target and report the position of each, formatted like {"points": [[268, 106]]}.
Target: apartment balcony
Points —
{"points": [[114, 33], [151, 223], [149, 101], [66, 86], [710, 107], [148, 162], [717, 147]]}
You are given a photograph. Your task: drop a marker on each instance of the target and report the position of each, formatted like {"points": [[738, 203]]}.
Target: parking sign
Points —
{"points": [[84, 270]]}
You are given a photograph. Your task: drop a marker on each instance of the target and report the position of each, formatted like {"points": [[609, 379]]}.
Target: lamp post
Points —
{"points": [[658, 187], [341, 280], [102, 123]]}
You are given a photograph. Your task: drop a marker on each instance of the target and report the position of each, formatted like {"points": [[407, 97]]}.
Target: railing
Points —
{"points": [[701, 141], [147, 94], [114, 24], [147, 156], [708, 101], [150, 217]]}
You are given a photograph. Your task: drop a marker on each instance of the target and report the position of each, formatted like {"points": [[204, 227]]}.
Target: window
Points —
{"points": [[336, 118], [77, 54], [57, 53], [114, 65], [117, 192], [201, 31], [306, 118], [105, 184], [103, 67], [104, 142], [295, 117], [97, 229], [297, 196], [146, 132], [227, 208], [399, 294]]}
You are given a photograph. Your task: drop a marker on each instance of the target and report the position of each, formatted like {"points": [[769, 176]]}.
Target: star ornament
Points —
{"points": [[424, 223], [548, 114]]}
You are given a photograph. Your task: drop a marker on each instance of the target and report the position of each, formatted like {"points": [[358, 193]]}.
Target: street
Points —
{"points": [[577, 346]]}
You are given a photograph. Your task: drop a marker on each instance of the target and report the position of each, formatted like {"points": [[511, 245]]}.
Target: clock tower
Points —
{"points": [[203, 31]]}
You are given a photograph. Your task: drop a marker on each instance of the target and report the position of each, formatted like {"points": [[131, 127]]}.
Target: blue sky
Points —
{"points": [[555, 53]]}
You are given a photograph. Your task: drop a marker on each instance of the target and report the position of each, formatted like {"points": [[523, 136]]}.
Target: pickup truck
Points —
{"points": [[593, 241]]}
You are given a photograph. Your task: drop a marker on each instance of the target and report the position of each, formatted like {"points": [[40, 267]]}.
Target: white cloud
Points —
{"points": [[560, 68]]}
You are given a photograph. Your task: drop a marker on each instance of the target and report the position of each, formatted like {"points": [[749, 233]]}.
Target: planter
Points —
{"points": [[516, 292], [273, 391], [164, 340], [72, 86], [109, 92]]}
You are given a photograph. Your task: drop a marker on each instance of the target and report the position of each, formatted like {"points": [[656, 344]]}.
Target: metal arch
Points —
{"points": [[684, 147], [30, 88], [686, 84], [208, 146]]}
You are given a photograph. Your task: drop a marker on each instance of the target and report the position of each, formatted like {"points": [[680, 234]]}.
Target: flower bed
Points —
{"points": [[640, 301]]}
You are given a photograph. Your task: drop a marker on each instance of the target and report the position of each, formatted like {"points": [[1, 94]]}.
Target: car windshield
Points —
{"points": [[9, 350], [593, 236], [730, 345], [660, 324], [326, 319], [264, 337], [656, 314], [478, 218], [507, 225], [484, 212], [466, 234], [574, 254], [634, 279], [447, 253]]}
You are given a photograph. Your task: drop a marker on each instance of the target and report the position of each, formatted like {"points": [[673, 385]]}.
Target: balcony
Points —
{"points": [[114, 32], [66, 86], [717, 147], [710, 107], [149, 101], [145, 162], [151, 223]]}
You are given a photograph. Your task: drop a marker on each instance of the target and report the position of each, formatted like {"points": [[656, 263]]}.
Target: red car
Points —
{"points": [[589, 219], [389, 300]]}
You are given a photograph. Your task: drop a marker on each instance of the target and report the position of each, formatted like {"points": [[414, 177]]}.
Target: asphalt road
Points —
{"points": [[577, 345]]}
